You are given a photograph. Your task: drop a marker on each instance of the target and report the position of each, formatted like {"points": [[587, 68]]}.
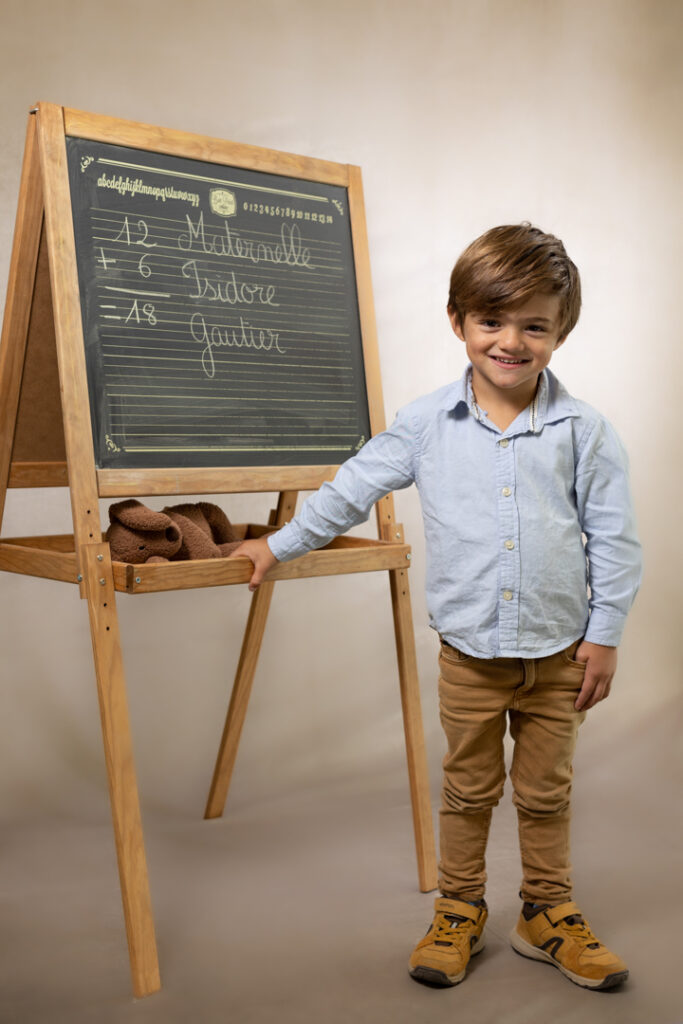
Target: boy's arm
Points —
{"points": [[613, 552], [386, 463]]}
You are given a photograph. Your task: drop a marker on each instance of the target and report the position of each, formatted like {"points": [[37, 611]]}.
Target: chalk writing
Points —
{"points": [[137, 186], [142, 229], [244, 336], [147, 313], [227, 290], [228, 242]]}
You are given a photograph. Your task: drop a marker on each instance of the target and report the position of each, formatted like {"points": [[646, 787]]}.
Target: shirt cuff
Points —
{"points": [[605, 628], [287, 543]]}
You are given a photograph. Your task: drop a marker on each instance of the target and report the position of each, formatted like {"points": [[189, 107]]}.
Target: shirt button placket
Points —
{"points": [[509, 574]]}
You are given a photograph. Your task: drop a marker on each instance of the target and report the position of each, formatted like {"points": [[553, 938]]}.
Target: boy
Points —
{"points": [[513, 473]]}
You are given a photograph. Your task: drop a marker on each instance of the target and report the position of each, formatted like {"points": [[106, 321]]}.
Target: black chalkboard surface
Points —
{"points": [[220, 313]]}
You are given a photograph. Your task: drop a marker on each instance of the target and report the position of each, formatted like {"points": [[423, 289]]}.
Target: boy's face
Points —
{"points": [[508, 350]]}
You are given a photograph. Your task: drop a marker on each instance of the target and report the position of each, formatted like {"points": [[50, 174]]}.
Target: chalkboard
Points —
{"points": [[220, 313]]}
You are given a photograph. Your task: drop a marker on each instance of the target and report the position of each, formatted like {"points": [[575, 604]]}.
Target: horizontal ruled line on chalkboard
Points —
{"points": [[249, 435], [233, 362], [215, 181], [238, 398], [187, 387], [250, 448], [242, 384], [192, 359], [161, 409]]}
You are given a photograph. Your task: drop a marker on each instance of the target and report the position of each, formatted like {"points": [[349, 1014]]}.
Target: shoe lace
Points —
{"points": [[444, 926], [580, 930]]}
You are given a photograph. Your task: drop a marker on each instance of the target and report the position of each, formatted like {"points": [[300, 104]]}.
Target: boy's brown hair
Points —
{"points": [[504, 267]]}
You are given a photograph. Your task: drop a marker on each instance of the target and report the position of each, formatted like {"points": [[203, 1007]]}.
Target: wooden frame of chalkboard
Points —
{"points": [[187, 315]]}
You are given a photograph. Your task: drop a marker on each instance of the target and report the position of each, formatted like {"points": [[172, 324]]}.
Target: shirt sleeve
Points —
{"points": [[608, 522], [386, 463]]}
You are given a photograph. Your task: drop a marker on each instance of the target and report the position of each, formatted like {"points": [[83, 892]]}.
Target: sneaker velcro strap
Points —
{"points": [[556, 914], [458, 907]]}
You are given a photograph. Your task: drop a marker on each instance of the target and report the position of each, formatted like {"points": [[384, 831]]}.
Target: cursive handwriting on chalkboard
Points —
{"points": [[289, 250], [245, 336], [229, 289]]}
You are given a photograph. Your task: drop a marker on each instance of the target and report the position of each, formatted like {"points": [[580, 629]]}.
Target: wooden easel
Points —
{"points": [[42, 354]]}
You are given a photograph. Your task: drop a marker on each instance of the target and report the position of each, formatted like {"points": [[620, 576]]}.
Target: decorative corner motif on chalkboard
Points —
{"points": [[111, 445], [361, 442], [339, 206], [85, 162], [223, 202]]}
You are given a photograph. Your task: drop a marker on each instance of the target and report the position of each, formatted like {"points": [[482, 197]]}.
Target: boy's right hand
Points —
{"points": [[258, 552]]}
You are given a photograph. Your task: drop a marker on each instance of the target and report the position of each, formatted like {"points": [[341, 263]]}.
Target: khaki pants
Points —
{"points": [[476, 696]]}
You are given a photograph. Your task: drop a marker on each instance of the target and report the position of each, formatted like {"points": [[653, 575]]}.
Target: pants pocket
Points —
{"points": [[453, 655], [569, 655]]}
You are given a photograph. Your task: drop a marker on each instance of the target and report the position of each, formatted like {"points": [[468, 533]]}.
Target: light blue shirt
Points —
{"points": [[505, 516]]}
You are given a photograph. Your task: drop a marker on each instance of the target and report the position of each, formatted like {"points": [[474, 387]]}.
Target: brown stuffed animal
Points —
{"points": [[206, 530], [138, 534]]}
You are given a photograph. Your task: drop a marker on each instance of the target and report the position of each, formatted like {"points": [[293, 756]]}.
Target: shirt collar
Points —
{"points": [[552, 402]]}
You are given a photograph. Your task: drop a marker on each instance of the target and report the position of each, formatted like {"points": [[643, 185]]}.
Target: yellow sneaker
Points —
{"points": [[455, 934], [562, 937]]}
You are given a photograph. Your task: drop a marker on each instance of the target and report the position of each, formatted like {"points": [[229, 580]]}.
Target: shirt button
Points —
{"points": [[509, 544], [506, 492], [504, 443], [507, 595]]}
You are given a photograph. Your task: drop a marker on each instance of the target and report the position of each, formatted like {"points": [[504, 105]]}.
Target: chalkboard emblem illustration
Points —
{"points": [[222, 202]]}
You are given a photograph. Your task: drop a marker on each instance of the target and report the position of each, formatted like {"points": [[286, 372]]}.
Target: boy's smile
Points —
{"points": [[509, 349]]}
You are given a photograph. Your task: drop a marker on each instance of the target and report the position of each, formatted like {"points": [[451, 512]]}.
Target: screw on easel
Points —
{"points": [[100, 557], [409, 556], [79, 578], [137, 579], [102, 581]]}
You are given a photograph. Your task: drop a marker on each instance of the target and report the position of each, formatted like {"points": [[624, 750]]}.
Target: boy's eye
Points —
{"points": [[488, 322]]}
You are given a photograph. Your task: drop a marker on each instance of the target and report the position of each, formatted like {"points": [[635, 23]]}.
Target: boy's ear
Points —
{"points": [[455, 323]]}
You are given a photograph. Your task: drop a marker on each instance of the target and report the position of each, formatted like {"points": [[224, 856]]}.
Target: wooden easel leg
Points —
{"points": [[244, 677], [17, 314], [412, 724], [239, 699], [118, 752]]}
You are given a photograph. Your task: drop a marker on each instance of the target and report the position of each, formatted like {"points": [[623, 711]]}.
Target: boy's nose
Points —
{"points": [[511, 340]]}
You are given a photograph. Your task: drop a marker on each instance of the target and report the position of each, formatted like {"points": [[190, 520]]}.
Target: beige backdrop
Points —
{"points": [[462, 115]]}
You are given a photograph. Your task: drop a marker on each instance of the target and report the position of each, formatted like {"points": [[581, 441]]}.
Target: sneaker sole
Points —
{"points": [[432, 976], [525, 948]]}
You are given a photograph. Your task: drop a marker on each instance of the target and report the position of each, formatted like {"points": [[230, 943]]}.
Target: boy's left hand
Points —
{"points": [[601, 664]]}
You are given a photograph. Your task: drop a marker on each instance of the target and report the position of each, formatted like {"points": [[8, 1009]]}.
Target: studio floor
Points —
{"points": [[304, 907]]}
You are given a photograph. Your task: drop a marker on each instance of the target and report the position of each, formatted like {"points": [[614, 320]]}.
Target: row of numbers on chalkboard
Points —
{"points": [[220, 313]]}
